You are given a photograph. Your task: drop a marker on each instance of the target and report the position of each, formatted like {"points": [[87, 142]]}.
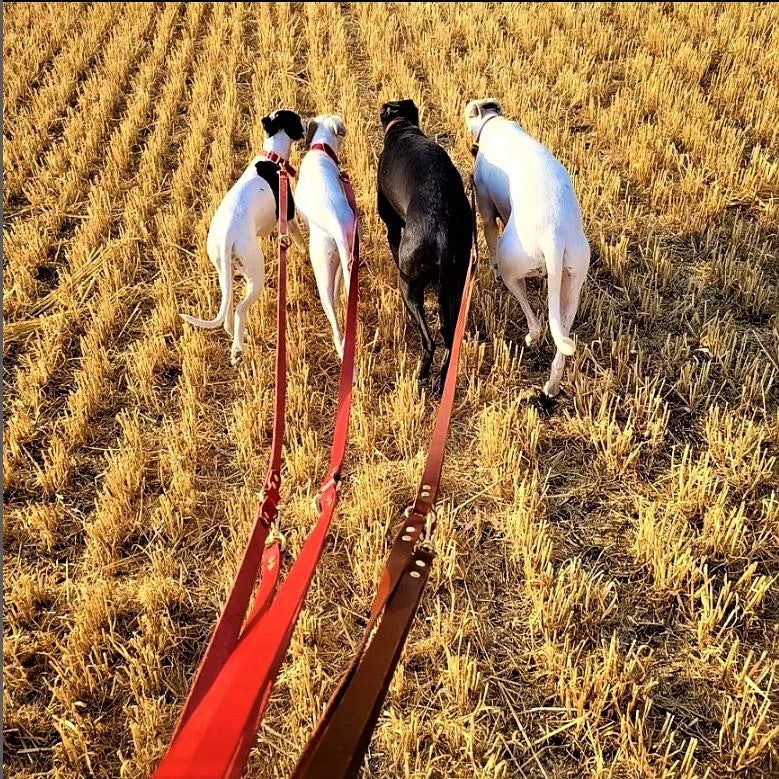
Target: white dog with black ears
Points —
{"points": [[520, 181], [323, 205], [250, 209]]}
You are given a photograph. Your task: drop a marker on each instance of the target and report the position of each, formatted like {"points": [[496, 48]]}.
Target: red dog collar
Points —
{"points": [[327, 150], [280, 161], [394, 121]]}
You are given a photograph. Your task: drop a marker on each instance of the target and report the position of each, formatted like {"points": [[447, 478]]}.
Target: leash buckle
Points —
{"points": [[285, 241], [275, 536], [335, 481], [425, 537]]}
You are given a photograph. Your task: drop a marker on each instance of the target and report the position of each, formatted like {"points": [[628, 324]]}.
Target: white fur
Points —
{"points": [[247, 211], [520, 181], [322, 203]]}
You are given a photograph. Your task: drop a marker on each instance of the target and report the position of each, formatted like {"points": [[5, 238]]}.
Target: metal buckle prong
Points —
{"points": [[426, 537], [335, 480], [426, 534], [275, 536]]}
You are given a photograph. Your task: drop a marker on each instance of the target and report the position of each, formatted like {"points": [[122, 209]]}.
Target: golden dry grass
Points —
{"points": [[605, 601]]}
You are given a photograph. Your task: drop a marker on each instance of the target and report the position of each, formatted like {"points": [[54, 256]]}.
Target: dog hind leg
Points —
{"points": [[489, 218], [413, 294], [394, 226], [413, 257], [212, 248], [325, 262], [254, 271], [449, 299], [518, 289], [514, 265], [335, 289], [344, 245], [213, 254]]}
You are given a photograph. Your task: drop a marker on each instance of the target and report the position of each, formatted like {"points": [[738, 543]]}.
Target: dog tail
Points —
{"points": [[225, 280], [554, 268]]}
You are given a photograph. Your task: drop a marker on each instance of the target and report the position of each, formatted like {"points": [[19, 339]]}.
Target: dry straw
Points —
{"points": [[604, 601]]}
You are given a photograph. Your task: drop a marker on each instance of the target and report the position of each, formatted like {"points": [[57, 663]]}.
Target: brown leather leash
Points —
{"points": [[233, 684], [338, 745]]}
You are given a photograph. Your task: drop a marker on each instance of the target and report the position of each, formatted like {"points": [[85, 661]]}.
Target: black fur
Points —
{"points": [[491, 105], [422, 202], [269, 170], [285, 120]]}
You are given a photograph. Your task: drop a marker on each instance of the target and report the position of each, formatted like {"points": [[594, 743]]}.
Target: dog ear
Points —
{"points": [[492, 105], [472, 110], [385, 115], [290, 122], [268, 125], [411, 111], [339, 127], [310, 132], [298, 129]]}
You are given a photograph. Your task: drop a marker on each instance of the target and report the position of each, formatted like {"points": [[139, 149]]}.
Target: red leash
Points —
{"points": [[337, 748], [233, 684]]}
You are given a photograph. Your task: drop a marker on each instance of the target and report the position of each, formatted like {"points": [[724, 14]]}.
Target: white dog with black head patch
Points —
{"points": [[250, 209], [323, 205], [521, 182]]}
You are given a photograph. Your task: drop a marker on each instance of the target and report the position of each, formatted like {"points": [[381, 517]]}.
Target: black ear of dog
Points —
{"points": [[385, 115], [399, 109], [310, 130]]}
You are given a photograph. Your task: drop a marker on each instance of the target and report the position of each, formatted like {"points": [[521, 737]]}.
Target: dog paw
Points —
{"points": [[438, 384], [543, 403], [531, 339], [423, 376], [551, 390], [235, 357]]}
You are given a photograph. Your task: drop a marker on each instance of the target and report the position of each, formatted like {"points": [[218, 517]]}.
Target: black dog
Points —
{"points": [[422, 202]]}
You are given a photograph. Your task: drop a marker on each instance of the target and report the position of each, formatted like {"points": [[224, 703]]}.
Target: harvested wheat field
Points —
{"points": [[605, 599]]}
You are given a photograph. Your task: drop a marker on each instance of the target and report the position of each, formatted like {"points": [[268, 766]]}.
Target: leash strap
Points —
{"points": [[215, 737], [475, 144], [257, 557], [337, 747]]}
